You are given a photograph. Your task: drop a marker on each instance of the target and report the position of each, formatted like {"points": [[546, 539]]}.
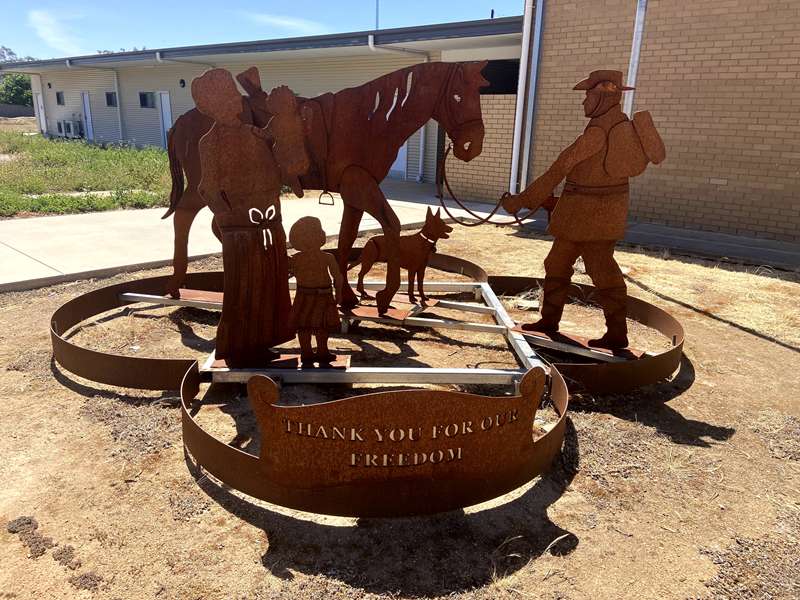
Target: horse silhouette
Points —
{"points": [[353, 137]]}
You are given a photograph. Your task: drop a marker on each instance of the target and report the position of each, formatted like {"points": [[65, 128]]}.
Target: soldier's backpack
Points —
{"points": [[632, 145]]}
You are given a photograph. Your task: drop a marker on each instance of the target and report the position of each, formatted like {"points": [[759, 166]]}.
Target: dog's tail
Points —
{"points": [[368, 247]]}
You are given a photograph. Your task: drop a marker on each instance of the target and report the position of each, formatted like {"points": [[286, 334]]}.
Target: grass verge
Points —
{"points": [[42, 176]]}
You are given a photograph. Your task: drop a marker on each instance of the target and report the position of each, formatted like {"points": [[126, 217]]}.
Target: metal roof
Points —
{"points": [[443, 31]]}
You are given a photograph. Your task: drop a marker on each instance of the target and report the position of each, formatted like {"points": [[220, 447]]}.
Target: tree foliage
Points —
{"points": [[15, 88]]}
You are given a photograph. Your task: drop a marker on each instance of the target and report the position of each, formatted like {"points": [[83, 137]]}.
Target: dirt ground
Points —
{"points": [[686, 489], [20, 124]]}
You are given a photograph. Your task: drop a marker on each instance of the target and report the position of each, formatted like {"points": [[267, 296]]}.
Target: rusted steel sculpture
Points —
{"points": [[444, 450], [352, 139], [241, 183], [414, 252], [314, 312], [590, 215]]}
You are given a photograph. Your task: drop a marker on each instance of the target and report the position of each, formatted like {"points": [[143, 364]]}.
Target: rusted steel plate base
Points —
{"points": [[287, 361], [578, 345], [397, 312], [617, 376]]}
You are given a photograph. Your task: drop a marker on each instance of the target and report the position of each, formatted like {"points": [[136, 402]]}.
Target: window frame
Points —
{"points": [[112, 96], [60, 101], [150, 96]]}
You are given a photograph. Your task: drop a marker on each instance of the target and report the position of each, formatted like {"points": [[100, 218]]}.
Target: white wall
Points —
{"points": [[72, 82]]}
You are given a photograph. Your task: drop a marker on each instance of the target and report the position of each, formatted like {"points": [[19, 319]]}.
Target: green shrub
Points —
{"points": [[48, 168]]}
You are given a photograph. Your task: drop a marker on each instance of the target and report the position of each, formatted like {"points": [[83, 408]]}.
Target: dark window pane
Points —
{"points": [[147, 99], [111, 98], [502, 76], [60, 98]]}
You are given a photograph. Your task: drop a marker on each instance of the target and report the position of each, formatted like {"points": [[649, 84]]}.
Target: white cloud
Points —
{"points": [[54, 32], [293, 24]]}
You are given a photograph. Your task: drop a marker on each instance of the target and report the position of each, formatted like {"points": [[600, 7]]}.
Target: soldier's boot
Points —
{"points": [[554, 297], [614, 302]]}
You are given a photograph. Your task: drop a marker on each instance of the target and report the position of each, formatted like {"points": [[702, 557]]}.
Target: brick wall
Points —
{"points": [[578, 37], [722, 80], [486, 177]]}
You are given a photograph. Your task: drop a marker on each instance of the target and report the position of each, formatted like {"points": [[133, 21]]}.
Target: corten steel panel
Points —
{"points": [[158, 373], [114, 369], [616, 377], [309, 474]]}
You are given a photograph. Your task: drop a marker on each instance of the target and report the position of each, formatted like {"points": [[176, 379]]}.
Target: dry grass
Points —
{"points": [[18, 124], [687, 489]]}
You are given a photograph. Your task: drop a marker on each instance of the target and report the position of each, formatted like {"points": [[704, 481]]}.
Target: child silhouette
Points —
{"points": [[314, 309]]}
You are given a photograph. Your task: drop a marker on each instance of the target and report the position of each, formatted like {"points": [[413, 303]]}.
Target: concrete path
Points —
{"points": [[41, 251]]}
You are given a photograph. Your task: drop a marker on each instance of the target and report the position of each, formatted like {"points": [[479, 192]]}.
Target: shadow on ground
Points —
{"points": [[648, 406], [420, 556]]}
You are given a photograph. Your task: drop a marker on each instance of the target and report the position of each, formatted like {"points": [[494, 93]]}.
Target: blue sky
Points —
{"points": [[86, 26]]}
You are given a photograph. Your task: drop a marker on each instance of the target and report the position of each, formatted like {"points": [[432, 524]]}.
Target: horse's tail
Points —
{"points": [[176, 170]]}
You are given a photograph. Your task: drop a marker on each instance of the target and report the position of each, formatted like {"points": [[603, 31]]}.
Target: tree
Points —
{"points": [[15, 88], [134, 49], [8, 55]]}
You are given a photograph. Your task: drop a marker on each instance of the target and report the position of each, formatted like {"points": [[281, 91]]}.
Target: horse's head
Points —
{"points": [[459, 109]]}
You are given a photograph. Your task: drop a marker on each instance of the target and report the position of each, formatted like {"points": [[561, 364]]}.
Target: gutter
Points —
{"points": [[424, 33], [427, 58], [636, 48], [161, 59], [533, 80], [520, 106]]}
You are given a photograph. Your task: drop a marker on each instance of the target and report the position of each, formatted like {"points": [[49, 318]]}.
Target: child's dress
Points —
{"points": [[314, 310]]}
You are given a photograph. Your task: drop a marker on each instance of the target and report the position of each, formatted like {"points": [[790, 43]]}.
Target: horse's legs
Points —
{"points": [[348, 232], [182, 223], [216, 230], [368, 257], [360, 190]]}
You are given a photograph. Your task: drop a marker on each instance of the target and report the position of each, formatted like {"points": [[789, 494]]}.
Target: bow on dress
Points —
{"points": [[264, 220]]}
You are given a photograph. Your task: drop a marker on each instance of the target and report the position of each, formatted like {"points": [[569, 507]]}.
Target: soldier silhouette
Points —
{"points": [[590, 215]]}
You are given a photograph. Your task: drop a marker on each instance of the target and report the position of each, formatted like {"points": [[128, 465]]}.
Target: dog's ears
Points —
{"points": [[429, 213], [438, 213]]}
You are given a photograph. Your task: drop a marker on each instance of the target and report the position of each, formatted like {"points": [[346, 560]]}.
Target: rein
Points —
{"points": [[479, 220]]}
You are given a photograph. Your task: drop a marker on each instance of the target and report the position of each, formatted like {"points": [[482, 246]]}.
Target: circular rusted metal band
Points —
{"points": [[166, 373], [157, 373], [393, 498], [115, 369], [613, 377]]}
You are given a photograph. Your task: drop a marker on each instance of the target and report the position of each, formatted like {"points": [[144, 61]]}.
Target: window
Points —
{"points": [[111, 98], [60, 98], [147, 99], [60, 127], [502, 76]]}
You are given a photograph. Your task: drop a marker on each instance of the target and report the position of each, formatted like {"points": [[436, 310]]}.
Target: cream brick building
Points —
{"points": [[721, 78]]}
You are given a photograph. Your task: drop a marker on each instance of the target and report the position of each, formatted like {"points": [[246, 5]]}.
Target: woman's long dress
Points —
{"points": [[241, 182]]}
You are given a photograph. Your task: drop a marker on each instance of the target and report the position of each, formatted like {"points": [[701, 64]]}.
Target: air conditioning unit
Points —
{"points": [[73, 129]]}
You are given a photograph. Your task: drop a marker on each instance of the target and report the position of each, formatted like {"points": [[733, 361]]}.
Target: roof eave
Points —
{"points": [[421, 33]]}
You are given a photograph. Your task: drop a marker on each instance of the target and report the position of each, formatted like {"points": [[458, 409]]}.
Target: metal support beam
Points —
{"points": [[533, 80], [384, 375], [636, 49]]}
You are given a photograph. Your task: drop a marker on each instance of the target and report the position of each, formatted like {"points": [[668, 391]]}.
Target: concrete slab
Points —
{"points": [[45, 250], [15, 266]]}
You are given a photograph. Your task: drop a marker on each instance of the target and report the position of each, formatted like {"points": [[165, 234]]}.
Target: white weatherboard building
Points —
{"points": [[135, 97]]}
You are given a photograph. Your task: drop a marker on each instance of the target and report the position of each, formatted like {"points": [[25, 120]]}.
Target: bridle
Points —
{"points": [[444, 100], [479, 220]]}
